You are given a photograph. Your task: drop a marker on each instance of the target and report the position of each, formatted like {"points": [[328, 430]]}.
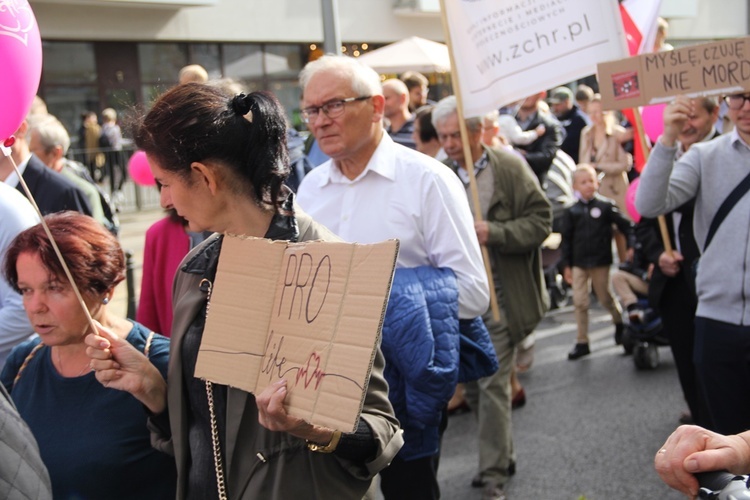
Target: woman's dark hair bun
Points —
{"points": [[241, 104]]}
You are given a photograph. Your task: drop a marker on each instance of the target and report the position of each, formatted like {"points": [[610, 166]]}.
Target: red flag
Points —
{"points": [[639, 155], [632, 34], [640, 20], [635, 36]]}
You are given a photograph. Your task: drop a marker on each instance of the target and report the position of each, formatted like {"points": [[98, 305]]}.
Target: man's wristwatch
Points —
{"points": [[329, 448]]}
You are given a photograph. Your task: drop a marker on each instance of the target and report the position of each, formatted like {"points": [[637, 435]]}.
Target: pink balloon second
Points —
{"points": [[653, 120], [140, 170], [21, 60], [630, 200]]}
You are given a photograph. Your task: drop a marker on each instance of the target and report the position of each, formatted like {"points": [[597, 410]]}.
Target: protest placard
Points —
{"points": [[506, 50], [707, 69], [309, 312]]}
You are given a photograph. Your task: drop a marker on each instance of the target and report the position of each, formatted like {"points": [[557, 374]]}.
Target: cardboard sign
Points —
{"points": [[699, 70], [309, 312], [506, 50]]}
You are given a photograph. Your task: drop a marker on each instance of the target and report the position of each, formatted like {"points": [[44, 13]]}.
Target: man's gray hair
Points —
{"points": [[449, 106], [51, 132], [709, 103], [364, 80]]}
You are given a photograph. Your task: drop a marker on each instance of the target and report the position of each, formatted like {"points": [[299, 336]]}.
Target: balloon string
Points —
{"points": [[6, 152]]}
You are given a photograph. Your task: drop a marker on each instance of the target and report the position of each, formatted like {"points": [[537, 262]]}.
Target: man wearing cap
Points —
{"points": [[571, 117]]}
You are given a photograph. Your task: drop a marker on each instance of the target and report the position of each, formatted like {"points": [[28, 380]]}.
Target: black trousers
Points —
{"points": [[414, 479], [677, 310], [722, 361]]}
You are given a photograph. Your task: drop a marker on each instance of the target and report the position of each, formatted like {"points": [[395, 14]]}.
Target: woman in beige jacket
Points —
{"points": [[601, 146]]}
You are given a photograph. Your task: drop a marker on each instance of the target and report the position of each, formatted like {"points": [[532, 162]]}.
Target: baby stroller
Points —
{"points": [[642, 338], [559, 191], [560, 293]]}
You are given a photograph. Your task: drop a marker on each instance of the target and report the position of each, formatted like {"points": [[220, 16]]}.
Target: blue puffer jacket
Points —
{"points": [[421, 347]]}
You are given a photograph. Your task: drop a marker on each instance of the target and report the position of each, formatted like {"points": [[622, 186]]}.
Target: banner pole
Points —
{"points": [[646, 151], [468, 161]]}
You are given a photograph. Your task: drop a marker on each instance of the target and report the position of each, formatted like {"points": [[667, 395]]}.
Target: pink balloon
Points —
{"points": [[653, 120], [140, 170], [20, 64], [630, 200]]}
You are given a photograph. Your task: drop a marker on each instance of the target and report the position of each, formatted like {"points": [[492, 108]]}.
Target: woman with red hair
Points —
{"points": [[93, 440]]}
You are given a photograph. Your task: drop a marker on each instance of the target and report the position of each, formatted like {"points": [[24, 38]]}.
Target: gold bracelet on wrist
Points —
{"points": [[329, 448]]}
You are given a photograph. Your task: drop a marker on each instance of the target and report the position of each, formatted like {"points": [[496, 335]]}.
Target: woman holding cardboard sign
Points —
{"points": [[221, 162]]}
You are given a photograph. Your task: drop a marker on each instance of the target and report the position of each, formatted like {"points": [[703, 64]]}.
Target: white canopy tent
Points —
{"points": [[409, 54]]}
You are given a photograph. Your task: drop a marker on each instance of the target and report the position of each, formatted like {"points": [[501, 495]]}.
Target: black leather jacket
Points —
{"points": [[541, 152], [587, 232]]}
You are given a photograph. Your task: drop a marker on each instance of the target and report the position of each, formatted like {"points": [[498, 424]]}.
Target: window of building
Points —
{"points": [[282, 61], [70, 82], [243, 61], [68, 63], [161, 62], [207, 55]]}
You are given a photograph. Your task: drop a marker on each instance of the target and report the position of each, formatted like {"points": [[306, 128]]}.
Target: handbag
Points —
{"points": [[736, 195]]}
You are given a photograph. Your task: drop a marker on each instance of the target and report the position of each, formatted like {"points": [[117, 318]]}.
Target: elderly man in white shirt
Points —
{"points": [[373, 189], [17, 215]]}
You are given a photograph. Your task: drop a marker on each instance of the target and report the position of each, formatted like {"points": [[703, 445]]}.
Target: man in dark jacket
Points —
{"points": [[51, 191], [571, 118], [587, 253], [540, 153], [49, 141]]}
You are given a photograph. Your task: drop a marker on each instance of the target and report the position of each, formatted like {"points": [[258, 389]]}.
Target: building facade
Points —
{"points": [[123, 53]]}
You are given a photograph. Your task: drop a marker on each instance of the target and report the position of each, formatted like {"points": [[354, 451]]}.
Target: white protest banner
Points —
{"points": [[506, 50]]}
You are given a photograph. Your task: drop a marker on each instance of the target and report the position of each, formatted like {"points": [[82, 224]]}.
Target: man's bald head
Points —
{"points": [[396, 98]]}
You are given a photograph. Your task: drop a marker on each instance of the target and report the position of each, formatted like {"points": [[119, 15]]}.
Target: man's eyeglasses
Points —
{"points": [[737, 101], [331, 109]]}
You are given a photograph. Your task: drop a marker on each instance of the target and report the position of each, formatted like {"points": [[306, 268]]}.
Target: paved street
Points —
{"points": [[589, 428], [588, 431]]}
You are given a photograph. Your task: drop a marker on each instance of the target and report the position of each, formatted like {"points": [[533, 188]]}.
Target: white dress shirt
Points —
{"points": [[406, 195], [12, 179], [17, 215]]}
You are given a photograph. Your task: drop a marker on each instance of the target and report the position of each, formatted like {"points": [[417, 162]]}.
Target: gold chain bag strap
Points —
{"points": [[215, 444]]}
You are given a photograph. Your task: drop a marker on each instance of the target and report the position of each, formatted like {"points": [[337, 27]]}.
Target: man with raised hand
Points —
{"points": [[710, 172]]}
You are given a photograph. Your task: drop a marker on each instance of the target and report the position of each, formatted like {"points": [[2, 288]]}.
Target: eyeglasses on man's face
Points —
{"points": [[331, 109], [736, 101]]}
